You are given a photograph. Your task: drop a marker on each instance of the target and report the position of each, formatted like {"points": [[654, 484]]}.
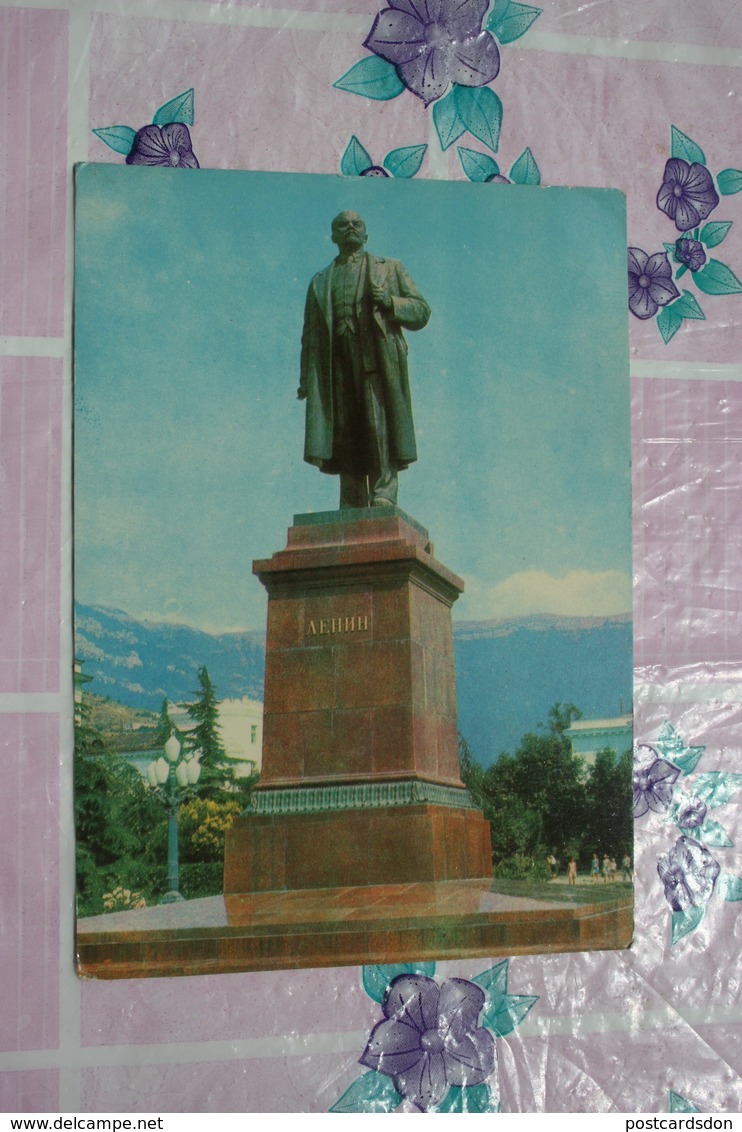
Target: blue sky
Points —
{"points": [[189, 297]]}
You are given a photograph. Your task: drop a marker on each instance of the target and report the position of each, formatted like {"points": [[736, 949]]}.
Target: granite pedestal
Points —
{"points": [[360, 783]]}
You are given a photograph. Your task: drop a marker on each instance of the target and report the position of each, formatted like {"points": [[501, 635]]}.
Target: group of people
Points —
{"points": [[607, 869]]}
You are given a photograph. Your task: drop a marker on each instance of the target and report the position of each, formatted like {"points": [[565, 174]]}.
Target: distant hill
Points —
{"points": [[138, 663], [125, 728], [508, 672]]}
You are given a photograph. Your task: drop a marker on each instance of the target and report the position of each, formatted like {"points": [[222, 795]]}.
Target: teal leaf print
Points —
{"points": [[372, 78], [355, 159], [376, 979], [689, 761], [524, 170], [677, 1104], [729, 181], [505, 1014], [495, 980], [477, 166], [499, 9], [714, 232], [672, 747], [371, 1092], [406, 161], [120, 138], [513, 22], [480, 110], [716, 787], [683, 146], [669, 322], [502, 1011], [717, 279], [178, 109], [474, 1098], [687, 306], [685, 922], [730, 887], [446, 120], [711, 833]]}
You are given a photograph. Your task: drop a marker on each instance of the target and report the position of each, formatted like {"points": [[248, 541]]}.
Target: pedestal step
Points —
{"points": [[321, 928]]}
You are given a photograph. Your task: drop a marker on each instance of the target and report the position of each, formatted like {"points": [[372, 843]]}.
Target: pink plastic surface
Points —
{"points": [[593, 90]]}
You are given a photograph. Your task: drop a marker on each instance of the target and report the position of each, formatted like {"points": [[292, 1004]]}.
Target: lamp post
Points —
{"points": [[173, 779]]}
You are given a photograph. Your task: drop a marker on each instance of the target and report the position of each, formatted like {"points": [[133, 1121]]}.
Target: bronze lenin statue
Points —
{"points": [[354, 368]]}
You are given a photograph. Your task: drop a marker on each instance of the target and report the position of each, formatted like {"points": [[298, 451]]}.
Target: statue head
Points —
{"points": [[349, 230]]}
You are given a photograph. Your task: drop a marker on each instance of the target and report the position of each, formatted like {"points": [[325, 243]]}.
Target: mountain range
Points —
{"points": [[509, 672]]}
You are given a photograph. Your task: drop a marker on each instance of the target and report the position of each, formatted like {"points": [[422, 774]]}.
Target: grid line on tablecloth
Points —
{"points": [[293, 20], [76, 1057], [69, 987], [29, 347]]}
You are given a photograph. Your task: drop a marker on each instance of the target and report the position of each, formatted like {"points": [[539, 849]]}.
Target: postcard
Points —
{"points": [[352, 571]]}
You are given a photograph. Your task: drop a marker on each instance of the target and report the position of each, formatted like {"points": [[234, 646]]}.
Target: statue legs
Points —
{"points": [[365, 491], [378, 487], [361, 445]]}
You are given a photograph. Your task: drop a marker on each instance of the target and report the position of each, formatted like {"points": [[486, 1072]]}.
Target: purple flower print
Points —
{"points": [[497, 179], [436, 42], [687, 193], [688, 873], [650, 283], [653, 781], [163, 145], [431, 1038], [374, 171], [691, 813], [690, 252]]}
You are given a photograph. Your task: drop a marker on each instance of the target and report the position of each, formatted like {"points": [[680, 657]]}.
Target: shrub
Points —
{"points": [[202, 825], [521, 867], [122, 900], [204, 878]]}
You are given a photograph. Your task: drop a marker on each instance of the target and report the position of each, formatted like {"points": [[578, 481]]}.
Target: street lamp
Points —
{"points": [[173, 779]]}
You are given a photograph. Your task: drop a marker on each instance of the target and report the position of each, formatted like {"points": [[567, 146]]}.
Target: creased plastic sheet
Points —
{"points": [[637, 96]]}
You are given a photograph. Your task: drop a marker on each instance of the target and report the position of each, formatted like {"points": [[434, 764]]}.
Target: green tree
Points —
{"points": [[216, 771], [472, 774], [516, 826], [116, 820], [241, 787], [165, 725], [609, 826], [534, 799], [119, 826]]}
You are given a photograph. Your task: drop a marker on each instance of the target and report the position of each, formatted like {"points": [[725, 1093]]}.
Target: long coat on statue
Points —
{"points": [[409, 310]]}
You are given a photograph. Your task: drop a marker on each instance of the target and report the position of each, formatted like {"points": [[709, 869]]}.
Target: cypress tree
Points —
{"points": [[205, 737]]}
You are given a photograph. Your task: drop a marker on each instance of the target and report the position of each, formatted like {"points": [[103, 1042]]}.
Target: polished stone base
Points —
{"points": [[390, 845], [330, 927]]}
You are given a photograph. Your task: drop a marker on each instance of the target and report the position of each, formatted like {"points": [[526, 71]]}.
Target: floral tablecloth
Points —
{"points": [[642, 95]]}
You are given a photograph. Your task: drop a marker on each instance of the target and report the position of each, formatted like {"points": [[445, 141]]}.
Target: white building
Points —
{"points": [[241, 728], [240, 725], [588, 736]]}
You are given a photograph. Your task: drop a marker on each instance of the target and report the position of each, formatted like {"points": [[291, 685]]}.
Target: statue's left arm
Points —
{"points": [[409, 308]]}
